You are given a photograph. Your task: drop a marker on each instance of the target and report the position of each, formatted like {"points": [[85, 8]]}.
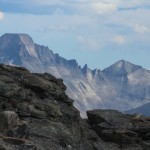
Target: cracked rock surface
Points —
{"points": [[36, 114]]}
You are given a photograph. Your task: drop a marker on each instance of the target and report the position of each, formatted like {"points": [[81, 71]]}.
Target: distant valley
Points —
{"points": [[122, 86]]}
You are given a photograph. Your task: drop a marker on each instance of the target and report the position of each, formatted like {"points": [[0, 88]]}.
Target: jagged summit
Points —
{"points": [[16, 35], [122, 67], [20, 40]]}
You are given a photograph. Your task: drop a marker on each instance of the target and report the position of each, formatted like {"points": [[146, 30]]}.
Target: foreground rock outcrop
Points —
{"points": [[127, 131], [36, 114]]}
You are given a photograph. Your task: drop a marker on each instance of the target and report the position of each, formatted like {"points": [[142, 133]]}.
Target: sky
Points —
{"points": [[94, 32]]}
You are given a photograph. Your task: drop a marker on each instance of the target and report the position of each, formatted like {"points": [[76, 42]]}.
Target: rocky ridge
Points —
{"points": [[122, 86], [36, 114]]}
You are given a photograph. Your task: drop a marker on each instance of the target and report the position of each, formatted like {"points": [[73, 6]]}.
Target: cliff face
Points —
{"points": [[36, 114]]}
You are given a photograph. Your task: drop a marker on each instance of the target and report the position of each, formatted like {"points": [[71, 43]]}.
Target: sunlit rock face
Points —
{"points": [[122, 86]]}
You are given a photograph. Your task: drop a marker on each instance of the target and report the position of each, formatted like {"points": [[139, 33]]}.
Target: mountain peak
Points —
{"points": [[15, 36], [18, 40], [122, 64], [122, 67], [25, 38]]}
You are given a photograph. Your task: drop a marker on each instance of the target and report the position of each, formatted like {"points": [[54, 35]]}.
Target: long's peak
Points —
{"points": [[21, 36], [15, 34], [15, 41], [15, 37]]}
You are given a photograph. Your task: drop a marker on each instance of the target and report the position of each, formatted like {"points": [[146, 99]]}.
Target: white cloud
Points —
{"points": [[59, 11], [119, 39], [88, 43], [1, 15], [140, 28], [48, 23], [93, 8], [102, 8]]}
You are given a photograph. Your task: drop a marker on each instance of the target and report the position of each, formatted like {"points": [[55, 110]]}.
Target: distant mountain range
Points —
{"points": [[122, 86], [144, 110]]}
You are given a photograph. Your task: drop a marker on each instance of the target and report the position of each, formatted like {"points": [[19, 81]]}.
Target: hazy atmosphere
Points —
{"points": [[97, 32]]}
